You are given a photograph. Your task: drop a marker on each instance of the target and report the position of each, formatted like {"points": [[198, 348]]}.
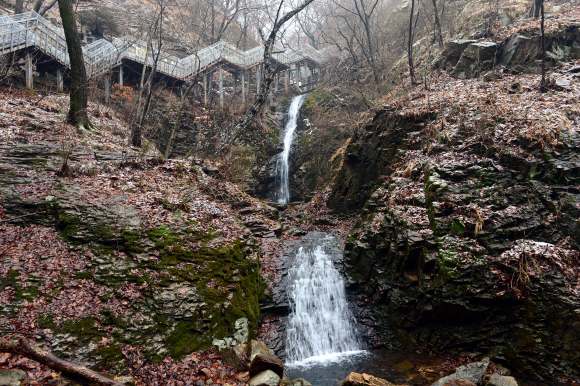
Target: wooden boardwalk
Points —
{"points": [[30, 31]]}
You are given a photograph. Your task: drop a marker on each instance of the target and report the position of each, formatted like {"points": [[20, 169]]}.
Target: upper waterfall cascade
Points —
{"points": [[320, 323], [282, 193]]}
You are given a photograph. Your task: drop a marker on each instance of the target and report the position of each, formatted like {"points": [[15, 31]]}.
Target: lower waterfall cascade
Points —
{"points": [[320, 323]]}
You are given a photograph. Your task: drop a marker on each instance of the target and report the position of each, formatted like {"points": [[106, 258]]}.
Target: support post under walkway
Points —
{"points": [[28, 71], [107, 89], [221, 80], [121, 75], [59, 81], [243, 86]]}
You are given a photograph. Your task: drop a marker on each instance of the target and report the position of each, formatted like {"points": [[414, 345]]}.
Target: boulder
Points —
{"points": [[501, 380], [475, 58], [296, 382], [230, 357], [458, 382], [562, 84], [356, 379], [262, 363], [266, 378], [472, 372], [243, 377], [259, 348], [12, 377]]}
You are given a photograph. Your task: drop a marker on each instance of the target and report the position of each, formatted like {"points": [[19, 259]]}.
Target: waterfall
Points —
{"points": [[282, 183], [320, 322]]}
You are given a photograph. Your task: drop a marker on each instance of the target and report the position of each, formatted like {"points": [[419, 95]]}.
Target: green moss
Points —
{"points": [[457, 227], [132, 241], [83, 275]]}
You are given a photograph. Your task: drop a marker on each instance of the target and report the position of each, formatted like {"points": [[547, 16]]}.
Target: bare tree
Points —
{"points": [[438, 34], [410, 45], [141, 113], [77, 114], [540, 3], [267, 78]]}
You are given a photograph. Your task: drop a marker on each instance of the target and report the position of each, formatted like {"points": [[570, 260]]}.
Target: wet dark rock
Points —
{"points": [[266, 362]]}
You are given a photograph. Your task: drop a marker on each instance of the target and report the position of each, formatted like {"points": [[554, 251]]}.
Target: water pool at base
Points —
{"points": [[394, 366]]}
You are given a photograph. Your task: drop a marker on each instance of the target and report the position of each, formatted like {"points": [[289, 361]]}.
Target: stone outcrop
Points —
{"points": [[457, 253], [520, 53]]}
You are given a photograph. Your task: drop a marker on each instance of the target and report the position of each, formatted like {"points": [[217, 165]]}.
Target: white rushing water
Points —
{"points": [[282, 167], [320, 326]]}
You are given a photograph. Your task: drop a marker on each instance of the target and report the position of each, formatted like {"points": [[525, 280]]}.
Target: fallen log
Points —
{"points": [[72, 370]]}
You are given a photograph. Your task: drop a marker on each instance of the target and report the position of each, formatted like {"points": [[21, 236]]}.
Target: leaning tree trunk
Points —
{"points": [[37, 6], [77, 114]]}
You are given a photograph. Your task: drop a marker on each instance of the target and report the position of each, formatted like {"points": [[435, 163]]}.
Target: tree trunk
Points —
{"points": [[70, 369], [438, 33], [18, 7], [77, 114], [540, 4], [410, 45]]}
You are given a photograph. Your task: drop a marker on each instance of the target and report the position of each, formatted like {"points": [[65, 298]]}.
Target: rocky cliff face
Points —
{"points": [[468, 237], [100, 262]]}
